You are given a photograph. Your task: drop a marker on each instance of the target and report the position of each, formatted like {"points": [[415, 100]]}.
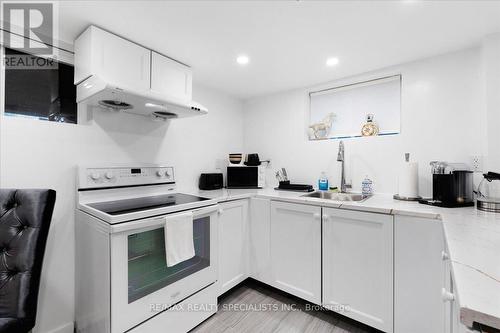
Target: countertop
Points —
{"points": [[473, 239]]}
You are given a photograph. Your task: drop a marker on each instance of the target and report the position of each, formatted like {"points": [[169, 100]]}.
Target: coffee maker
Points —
{"points": [[451, 185]]}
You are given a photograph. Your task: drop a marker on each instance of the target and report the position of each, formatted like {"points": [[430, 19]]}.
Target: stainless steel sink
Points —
{"points": [[336, 196]]}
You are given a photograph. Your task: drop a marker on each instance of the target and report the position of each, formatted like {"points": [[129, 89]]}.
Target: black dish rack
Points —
{"points": [[286, 186]]}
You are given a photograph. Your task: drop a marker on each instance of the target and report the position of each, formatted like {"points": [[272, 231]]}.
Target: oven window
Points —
{"points": [[147, 265]]}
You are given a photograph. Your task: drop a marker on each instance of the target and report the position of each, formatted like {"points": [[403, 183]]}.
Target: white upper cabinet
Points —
{"points": [[233, 244], [296, 249], [170, 78], [113, 59], [129, 66], [358, 266]]}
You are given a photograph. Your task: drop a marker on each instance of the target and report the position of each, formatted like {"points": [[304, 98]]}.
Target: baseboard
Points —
{"points": [[66, 328]]}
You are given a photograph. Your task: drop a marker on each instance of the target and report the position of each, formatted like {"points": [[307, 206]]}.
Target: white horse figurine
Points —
{"points": [[321, 129]]}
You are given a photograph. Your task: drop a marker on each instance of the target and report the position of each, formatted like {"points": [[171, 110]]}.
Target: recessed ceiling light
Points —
{"points": [[242, 60], [332, 61]]}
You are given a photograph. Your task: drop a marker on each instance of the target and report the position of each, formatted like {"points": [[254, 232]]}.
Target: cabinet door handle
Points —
{"points": [[325, 217], [445, 255], [447, 296], [220, 211], [317, 216]]}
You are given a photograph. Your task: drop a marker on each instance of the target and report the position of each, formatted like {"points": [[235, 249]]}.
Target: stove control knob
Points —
{"points": [[109, 175], [95, 175], [159, 173], [167, 174]]}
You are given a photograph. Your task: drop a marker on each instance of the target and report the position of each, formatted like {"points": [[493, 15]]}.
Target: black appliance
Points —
{"points": [[452, 186], [210, 181], [245, 177], [252, 160]]}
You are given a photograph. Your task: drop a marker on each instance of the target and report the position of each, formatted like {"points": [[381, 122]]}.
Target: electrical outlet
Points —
{"points": [[477, 163]]}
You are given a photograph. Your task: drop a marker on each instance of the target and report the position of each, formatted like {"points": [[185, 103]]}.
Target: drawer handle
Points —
{"points": [[447, 296], [444, 255]]}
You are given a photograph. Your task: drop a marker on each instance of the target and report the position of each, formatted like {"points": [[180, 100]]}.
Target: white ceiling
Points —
{"points": [[288, 42]]}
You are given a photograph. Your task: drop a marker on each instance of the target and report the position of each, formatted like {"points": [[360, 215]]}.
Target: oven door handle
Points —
{"points": [[158, 221]]}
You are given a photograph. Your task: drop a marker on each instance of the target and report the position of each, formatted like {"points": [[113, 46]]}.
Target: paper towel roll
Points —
{"points": [[408, 180]]}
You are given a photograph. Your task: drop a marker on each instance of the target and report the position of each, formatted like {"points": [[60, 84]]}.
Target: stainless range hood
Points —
{"points": [[97, 93]]}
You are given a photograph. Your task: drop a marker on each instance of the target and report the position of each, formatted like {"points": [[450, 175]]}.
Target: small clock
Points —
{"points": [[370, 128]]}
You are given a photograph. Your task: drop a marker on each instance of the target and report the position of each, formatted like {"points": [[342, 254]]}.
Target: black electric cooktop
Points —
{"points": [[125, 206]]}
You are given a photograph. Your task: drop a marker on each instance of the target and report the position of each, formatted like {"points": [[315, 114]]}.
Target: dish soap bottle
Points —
{"points": [[323, 182], [367, 187]]}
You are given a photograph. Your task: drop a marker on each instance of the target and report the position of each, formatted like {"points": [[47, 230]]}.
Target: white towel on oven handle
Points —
{"points": [[179, 242]]}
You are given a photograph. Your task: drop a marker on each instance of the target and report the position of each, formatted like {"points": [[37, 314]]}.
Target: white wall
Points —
{"points": [[490, 52], [443, 118], [38, 154]]}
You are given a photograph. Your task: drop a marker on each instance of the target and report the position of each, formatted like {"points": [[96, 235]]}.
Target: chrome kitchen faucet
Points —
{"points": [[340, 157]]}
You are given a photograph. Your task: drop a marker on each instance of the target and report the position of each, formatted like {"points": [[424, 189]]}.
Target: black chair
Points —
{"points": [[24, 225]]}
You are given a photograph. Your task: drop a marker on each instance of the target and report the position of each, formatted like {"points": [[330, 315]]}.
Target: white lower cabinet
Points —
{"points": [[296, 249], [450, 300], [421, 275], [389, 272], [233, 244], [451, 314], [451, 318], [358, 266], [259, 247]]}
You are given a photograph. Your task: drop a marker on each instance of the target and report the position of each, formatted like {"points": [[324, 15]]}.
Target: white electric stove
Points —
{"points": [[123, 281]]}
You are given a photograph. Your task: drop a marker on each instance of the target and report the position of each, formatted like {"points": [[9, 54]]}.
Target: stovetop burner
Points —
{"points": [[125, 206]]}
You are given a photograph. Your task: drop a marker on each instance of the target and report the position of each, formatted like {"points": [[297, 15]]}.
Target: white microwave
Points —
{"points": [[246, 177]]}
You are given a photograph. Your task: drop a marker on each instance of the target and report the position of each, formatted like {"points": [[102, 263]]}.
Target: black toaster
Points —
{"points": [[210, 181]]}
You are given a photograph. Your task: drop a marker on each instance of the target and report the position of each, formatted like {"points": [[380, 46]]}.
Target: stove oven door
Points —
{"points": [[142, 285]]}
